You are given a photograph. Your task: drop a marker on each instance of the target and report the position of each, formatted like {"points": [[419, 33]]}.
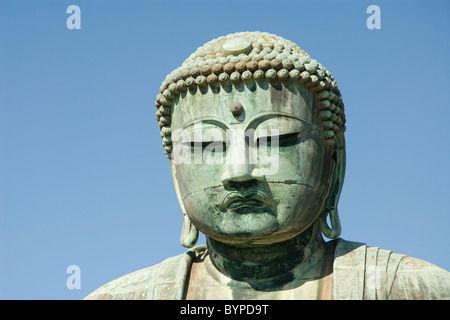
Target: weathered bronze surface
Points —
{"points": [[254, 130]]}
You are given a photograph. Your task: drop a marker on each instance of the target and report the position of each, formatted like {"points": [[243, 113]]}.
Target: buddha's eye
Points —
{"points": [[283, 140], [216, 146]]}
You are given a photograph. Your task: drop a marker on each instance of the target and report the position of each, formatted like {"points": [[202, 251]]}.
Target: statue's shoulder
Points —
{"points": [[419, 279], [363, 272], [165, 280]]}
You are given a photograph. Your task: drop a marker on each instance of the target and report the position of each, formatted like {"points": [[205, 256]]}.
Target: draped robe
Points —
{"points": [[359, 272]]}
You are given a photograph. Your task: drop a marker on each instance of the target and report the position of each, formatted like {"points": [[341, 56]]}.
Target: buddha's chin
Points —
{"points": [[236, 226]]}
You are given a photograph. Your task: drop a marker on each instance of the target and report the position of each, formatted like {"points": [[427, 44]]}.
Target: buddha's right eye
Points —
{"points": [[217, 146]]}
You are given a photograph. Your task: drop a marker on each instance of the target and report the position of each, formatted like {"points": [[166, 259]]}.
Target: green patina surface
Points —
{"points": [[254, 130]]}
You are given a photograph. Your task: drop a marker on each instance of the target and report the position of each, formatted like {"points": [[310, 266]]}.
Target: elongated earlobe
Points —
{"points": [[335, 230], [189, 233], [335, 191]]}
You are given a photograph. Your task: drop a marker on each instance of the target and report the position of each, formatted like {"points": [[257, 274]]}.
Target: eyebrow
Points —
{"points": [[270, 115], [208, 120], [260, 117]]}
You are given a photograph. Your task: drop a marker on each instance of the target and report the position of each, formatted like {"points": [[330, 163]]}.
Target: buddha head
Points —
{"points": [[254, 131]]}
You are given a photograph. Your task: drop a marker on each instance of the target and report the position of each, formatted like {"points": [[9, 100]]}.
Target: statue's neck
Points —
{"points": [[259, 262]]}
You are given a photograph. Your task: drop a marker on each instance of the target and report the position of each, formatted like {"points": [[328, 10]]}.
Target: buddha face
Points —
{"points": [[250, 163]]}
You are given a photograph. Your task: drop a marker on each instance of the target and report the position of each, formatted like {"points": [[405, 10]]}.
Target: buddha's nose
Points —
{"points": [[241, 174], [241, 166]]}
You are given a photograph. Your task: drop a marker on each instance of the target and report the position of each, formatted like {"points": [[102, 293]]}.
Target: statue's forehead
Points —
{"points": [[290, 99]]}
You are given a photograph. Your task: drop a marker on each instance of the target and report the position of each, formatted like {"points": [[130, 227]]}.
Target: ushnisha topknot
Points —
{"points": [[247, 57]]}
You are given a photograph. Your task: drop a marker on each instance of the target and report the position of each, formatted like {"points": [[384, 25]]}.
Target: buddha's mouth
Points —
{"points": [[238, 203], [253, 198]]}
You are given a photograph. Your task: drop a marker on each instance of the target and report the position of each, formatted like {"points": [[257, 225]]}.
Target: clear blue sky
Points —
{"points": [[83, 177]]}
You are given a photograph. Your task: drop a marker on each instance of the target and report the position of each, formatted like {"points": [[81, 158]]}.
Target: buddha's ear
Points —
{"points": [[189, 233], [337, 181]]}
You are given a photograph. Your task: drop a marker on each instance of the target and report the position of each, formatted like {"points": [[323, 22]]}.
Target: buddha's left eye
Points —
{"points": [[283, 140]]}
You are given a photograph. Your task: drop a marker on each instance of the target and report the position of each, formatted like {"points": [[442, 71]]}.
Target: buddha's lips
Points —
{"points": [[252, 198]]}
